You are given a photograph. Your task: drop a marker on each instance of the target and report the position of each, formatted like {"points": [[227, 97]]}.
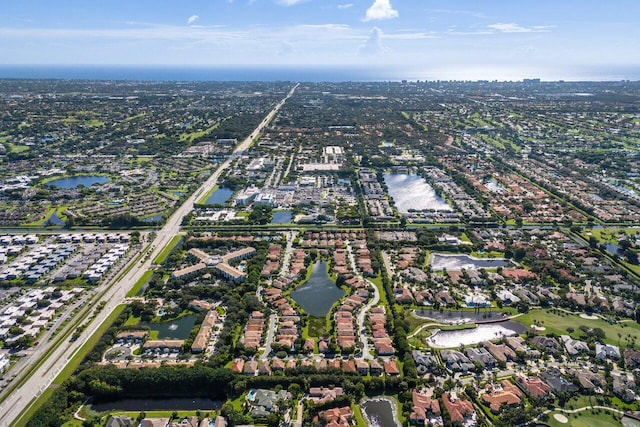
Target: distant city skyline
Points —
{"points": [[430, 39]]}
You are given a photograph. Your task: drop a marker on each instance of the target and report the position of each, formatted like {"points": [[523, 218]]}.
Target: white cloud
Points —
{"points": [[345, 6], [286, 48], [373, 44], [192, 19], [290, 2], [379, 10], [512, 27]]}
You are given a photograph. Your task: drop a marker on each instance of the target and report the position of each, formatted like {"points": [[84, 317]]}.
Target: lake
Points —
{"points": [[138, 405], [319, 293], [380, 412], [485, 332], [219, 197], [177, 329], [413, 192], [76, 181], [459, 262], [457, 317], [281, 217]]}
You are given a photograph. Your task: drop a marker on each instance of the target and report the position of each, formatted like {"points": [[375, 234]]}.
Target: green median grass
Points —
{"points": [[71, 366], [140, 283], [167, 250]]}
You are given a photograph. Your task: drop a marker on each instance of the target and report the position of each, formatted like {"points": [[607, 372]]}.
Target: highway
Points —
{"points": [[22, 397]]}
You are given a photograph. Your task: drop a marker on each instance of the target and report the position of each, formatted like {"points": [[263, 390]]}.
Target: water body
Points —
{"points": [[76, 181], [137, 405], [380, 412], [281, 217], [459, 262], [153, 218], [319, 293], [455, 318], [177, 329], [486, 332], [613, 249], [219, 197], [412, 192], [54, 219], [494, 186]]}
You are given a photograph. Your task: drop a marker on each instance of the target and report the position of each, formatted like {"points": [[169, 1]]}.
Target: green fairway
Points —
{"points": [[587, 419], [557, 322]]}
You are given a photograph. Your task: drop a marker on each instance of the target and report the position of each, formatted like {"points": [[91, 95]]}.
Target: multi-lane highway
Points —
{"points": [[22, 397]]}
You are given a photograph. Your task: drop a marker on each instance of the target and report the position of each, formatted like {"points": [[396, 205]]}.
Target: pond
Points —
{"points": [[54, 219], [485, 332], [219, 197], [176, 404], [456, 318], [281, 217], [494, 186], [154, 218], [413, 192], [76, 181], [319, 293], [459, 262], [613, 249], [380, 412], [177, 329]]}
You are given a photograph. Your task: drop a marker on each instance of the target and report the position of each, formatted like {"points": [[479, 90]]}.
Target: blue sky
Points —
{"points": [[461, 39]]}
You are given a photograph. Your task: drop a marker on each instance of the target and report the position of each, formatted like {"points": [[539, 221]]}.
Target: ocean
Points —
{"points": [[306, 73], [191, 73]]}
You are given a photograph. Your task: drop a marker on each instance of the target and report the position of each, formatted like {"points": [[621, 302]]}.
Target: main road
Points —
{"points": [[23, 397]]}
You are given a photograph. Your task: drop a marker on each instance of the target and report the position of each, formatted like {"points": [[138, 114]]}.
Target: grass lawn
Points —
{"points": [[318, 327], [204, 198], [140, 283], [609, 234], [587, 419], [17, 148], [357, 415], [41, 221], [73, 423], [558, 322], [132, 321], [383, 296], [168, 249], [191, 136]]}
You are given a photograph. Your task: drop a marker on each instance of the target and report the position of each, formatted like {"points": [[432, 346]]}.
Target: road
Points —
{"points": [[364, 339], [21, 398], [271, 332]]}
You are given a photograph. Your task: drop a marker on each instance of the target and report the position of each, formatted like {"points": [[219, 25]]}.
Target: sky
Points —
{"points": [[419, 39]]}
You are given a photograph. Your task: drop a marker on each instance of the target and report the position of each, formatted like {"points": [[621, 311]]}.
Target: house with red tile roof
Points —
{"points": [[506, 394], [424, 409], [534, 386], [459, 410]]}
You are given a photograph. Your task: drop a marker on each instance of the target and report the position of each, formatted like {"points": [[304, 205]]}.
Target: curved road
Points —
{"points": [[22, 397], [364, 339]]}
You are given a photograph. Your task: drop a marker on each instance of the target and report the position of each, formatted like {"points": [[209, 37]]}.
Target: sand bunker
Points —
{"points": [[561, 418], [538, 328], [589, 316]]}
